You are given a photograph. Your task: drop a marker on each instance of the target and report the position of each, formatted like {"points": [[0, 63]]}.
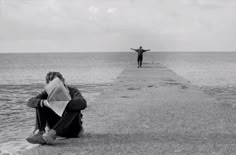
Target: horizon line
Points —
{"points": [[20, 52]]}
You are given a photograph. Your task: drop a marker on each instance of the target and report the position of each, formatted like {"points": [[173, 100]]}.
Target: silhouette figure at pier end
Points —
{"points": [[140, 52]]}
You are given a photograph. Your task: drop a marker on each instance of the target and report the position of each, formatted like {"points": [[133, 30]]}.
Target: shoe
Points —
{"points": [[36, 138], [49, 137]]}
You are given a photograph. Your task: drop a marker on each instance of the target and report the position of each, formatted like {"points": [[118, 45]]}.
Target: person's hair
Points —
{"points": [[51, 75]]}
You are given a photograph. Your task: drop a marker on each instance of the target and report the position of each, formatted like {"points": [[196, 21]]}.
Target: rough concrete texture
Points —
{"points": [[151, 110]]}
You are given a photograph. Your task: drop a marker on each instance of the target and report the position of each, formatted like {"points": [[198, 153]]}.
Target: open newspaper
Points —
{"points": [[58, 96]]}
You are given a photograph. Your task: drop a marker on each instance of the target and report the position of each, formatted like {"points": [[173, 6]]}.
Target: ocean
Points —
{"points": [[22, 76]]}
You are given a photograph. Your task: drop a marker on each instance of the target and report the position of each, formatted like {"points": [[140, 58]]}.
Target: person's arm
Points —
{"points": [[35, 102], [146, 50], [134, 49], [77, 102]]}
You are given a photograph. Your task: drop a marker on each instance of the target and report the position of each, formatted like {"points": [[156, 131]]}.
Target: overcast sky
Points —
{"points": [[117, 25]]}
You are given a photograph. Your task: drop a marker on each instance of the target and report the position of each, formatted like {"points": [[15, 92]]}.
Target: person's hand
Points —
{"points": [[44, 103]]}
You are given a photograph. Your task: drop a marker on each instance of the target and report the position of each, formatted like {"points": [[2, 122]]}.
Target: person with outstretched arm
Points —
{"points": [[68, 125], [140, 52]]}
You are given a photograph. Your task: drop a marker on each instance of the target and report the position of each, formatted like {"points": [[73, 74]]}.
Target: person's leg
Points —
{"points": [[138, 61], [42, 116], [53, 118], [40, 119], [45, 116], [68, 126], [141, 61], [64, 126]]}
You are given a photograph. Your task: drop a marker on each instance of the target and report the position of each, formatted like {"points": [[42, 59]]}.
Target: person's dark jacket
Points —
{"points": [[77, 102]]}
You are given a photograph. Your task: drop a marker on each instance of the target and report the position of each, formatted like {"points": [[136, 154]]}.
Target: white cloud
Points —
{"points": [[111, 10], [93, 10], [188, 23]]}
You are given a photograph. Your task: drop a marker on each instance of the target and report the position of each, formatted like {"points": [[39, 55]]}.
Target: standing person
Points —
{"points": [[69, 125], [140, 55]]}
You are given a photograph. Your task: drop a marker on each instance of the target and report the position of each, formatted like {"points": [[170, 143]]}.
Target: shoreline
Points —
{"points": [[151, 110]]}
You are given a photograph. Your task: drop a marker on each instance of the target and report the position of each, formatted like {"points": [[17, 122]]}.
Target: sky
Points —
{"points": [[117, 25]]}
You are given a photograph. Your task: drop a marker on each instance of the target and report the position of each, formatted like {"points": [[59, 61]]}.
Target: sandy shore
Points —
{"points": [[151, 110]]}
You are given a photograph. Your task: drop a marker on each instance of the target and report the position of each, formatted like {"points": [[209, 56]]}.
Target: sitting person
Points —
{"points": [[69, 125]]}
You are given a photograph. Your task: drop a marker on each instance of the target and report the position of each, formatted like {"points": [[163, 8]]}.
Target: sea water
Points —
{"points": [[22, 76], [213, 72]]}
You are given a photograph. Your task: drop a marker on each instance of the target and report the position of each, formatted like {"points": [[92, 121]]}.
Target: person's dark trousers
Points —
{"points": [[140, 60], [69, 125]]}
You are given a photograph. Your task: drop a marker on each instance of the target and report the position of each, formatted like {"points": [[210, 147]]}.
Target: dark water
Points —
{"points": [[23, 76]]}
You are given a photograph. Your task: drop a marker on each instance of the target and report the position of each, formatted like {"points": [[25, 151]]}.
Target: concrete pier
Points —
{"points": [[151, 110]]}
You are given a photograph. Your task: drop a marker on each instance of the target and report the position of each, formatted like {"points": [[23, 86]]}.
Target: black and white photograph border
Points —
{"points": [[133, 77]]}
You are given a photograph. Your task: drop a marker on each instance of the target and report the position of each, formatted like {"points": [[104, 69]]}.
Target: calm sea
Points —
{"points": [[23, 76]]}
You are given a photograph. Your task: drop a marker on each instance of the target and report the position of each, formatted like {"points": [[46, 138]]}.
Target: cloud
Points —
{"points": [[182, 24], [93, 10], [111, 10]]}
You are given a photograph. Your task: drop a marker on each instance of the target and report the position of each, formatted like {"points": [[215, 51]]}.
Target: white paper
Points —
{"points": [[58, 96]]}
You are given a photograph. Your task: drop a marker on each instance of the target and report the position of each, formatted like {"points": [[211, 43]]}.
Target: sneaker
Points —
{"points": [[36, 138], [49, 137]]}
